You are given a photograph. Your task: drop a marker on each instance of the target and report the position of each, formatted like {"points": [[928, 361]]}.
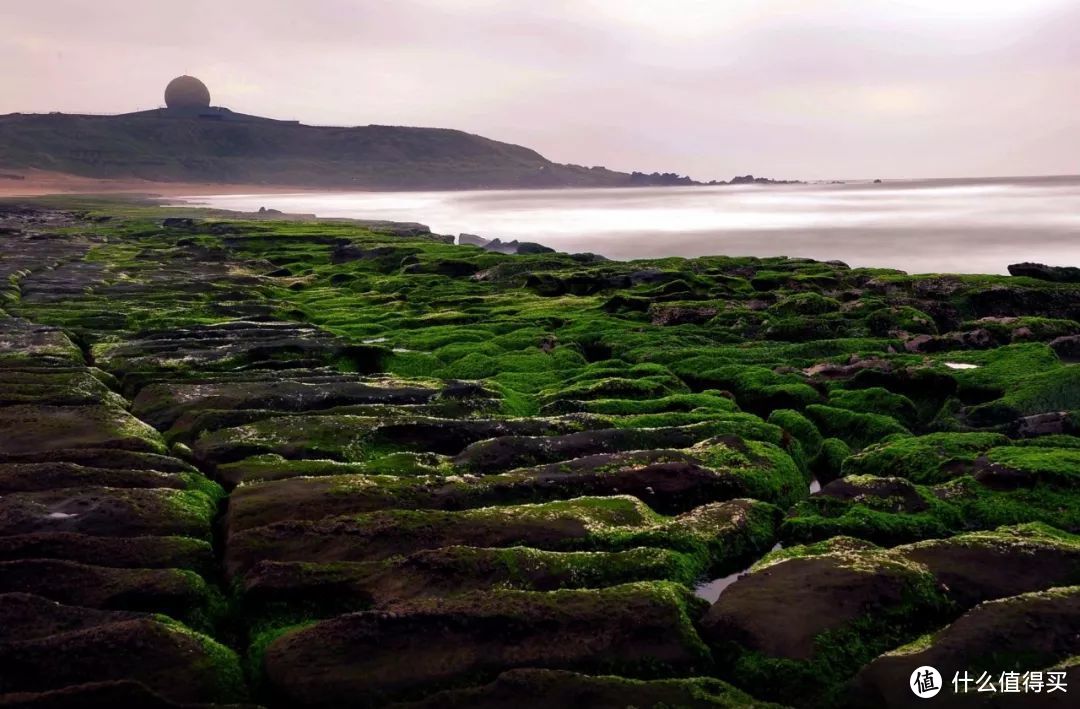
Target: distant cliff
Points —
{"points": [[218, 146]]}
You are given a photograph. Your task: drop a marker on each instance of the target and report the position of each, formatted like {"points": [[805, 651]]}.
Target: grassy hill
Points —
{"points": [[225, 147]]}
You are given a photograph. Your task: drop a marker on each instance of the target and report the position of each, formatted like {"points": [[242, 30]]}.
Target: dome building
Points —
{"points": [[187, 93]]}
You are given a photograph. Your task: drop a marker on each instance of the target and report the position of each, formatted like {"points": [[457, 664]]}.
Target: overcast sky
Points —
{"points": [[811, 89]]}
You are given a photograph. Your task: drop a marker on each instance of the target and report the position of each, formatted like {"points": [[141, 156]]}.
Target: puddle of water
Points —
{"points": [[961, 365], [711, 590], [60, 515]]}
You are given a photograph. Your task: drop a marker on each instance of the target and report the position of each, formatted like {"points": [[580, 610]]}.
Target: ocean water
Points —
{"points": [[924, 226]]}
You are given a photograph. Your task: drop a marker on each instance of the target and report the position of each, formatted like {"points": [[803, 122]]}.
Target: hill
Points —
{"points": [[220, 146]]}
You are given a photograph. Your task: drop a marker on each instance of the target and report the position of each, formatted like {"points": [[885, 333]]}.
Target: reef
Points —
{"points": [[294, 462]]}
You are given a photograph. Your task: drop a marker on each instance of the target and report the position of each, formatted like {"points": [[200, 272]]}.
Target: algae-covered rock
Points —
{"points": [[1024, 633], [34, 428], [118, 693], [855, 428], [110, 512], [720, 533], [271, 589], [38, 477], [669, 481], [538, 689], [125, 552], [178, 593], [981, 566], [511, 451], [894, 511], [352, 438], [49, 646], [932, 458], [162, 404], [427, 645], [471, 454], [799, 626]]}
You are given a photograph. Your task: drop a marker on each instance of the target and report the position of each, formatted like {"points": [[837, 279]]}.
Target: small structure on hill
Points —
{"points": [[187, 93]]}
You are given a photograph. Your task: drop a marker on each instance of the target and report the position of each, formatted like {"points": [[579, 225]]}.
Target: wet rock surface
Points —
{"points": [[306, 463]]}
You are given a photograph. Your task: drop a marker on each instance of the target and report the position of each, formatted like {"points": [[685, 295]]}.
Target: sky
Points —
{"points": [[793, 89]]}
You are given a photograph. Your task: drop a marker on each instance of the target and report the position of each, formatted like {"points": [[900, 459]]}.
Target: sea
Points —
{"points": [[918, 226]]}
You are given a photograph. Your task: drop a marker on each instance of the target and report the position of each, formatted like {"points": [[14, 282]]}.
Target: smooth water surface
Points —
{"points": [[962, 226]]}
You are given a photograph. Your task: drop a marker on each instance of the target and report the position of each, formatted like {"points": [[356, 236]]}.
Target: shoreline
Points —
{"points": [[39, 183]]}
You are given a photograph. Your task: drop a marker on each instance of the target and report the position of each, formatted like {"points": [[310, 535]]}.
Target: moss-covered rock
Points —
{"points": [[928, 459], [981, 566], [538, 689], [798, 627], [1025, 633], [274, 592], [110, 512], [125, 552], [34, 428], [829, 463], [425, 645], [47, 646], [178, 593], [894, 511], [720, 534], [669, 481], [856, 429]]}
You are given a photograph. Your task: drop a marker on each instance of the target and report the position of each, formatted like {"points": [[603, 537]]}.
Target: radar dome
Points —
{"points": [[187, 92]]}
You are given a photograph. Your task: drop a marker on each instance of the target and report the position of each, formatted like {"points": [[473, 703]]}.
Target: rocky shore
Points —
{"points": [[297, 463]]}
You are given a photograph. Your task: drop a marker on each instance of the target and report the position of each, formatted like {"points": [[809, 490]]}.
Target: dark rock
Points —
{"points": [[982, 566], [471, 240], [102, 695], [428, 645], [1058, 274], [156, 552], [173, 662], [488, 456], [339, 587], [542, 689], [530, 247], [170, 591], [669, 481], [1048, 424], [901, 493], [109, 512], [1039, 629], [29, 617], [782, 609], [178, 223], [1067, 347]]}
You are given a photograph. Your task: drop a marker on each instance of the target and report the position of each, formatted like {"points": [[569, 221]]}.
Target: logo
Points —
{"points": [[925, 682]]}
